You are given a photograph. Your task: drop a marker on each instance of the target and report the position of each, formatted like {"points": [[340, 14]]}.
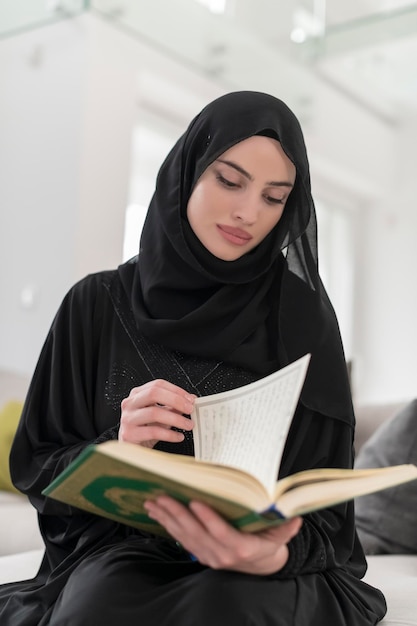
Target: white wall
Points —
{"points": [[65, 159], [386, 308], [41, 78], [368, 166]]}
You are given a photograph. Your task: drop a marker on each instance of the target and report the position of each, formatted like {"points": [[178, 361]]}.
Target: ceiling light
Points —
{"points": [[306, 25], [298, 35], [215, 6]]}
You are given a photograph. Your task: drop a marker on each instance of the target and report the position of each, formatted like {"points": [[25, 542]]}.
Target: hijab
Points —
{"points": [[260, 311]]}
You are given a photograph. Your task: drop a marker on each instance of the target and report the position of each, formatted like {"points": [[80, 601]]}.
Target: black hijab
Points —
{"points": [[262, 310]]}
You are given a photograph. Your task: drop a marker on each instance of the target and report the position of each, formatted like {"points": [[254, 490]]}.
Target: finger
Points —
{"points": [[182, 524], [163, 393], [159, 415], [250, 553], [225, 533], [154, 433], [180, 521], [214, 524], [152, 423], [176, 518], [151, 433], [231, 548]]}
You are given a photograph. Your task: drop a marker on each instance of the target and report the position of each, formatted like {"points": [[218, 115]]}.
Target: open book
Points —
{"points": [[239, 438]]}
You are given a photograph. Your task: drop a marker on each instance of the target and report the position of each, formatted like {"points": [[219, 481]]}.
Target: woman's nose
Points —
{"points": [[246, 211]]}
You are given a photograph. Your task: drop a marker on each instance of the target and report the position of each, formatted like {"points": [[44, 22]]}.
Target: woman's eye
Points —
{"points": [[273, 200], [224, 181]]}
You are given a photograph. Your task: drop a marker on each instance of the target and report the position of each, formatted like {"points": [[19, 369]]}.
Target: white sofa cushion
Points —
{"points": [[20, 566], [19, 530], [396, 576]]}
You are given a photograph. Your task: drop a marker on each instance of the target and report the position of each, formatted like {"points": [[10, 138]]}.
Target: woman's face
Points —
{"points": [[241, 196]]}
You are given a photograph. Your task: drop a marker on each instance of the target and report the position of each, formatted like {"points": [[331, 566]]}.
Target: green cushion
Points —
{"points": [[9, 418]]}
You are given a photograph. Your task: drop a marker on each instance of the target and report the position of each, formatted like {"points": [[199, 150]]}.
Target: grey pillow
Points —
{"points": [[387, 520]]}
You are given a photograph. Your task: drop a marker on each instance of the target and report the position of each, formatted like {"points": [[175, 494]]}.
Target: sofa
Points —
{"points": [[20, 540], [21, 544]]}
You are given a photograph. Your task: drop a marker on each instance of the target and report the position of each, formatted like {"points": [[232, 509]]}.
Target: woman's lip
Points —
{"points": [[234, 235]]}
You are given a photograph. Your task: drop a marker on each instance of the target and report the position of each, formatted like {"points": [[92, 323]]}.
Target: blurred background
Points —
{"points": [[93, 95]]}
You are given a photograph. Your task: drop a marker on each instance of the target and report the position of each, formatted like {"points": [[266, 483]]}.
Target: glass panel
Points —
{"points": [[247, 45], [239, 47], [20, 15]]}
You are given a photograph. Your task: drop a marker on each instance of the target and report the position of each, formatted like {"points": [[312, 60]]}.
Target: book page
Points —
{"points": [[247, 427]]}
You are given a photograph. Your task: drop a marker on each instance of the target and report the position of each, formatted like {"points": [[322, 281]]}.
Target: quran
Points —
{"points": [[239, 438]]}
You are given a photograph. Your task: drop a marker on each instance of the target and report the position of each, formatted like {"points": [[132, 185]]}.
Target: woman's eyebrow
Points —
{"points": [[238, 168]]}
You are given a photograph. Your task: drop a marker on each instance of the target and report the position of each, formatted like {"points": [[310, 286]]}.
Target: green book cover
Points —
{"points": [[110, 487]]}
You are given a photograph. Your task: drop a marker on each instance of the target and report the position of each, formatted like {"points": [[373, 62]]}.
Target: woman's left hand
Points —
{"points": [[218, 545]]}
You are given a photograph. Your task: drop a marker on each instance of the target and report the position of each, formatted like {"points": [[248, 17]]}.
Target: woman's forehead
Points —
{"points": [[260, 153]]}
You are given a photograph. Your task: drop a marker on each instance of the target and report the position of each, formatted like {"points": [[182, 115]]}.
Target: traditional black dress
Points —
{"points": [[208, 325], [98, 572]]}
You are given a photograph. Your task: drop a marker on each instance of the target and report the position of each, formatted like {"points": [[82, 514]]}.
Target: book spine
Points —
{"points": [[269, 517], [272, 513]]}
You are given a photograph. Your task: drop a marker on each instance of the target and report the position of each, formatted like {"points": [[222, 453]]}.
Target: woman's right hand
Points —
{"points": [[151, 411]]}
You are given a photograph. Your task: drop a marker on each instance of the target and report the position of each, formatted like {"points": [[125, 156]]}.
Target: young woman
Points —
{"points": [[225, 290]]}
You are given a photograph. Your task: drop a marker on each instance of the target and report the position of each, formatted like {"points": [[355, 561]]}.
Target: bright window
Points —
{"points": [[336, 263], [153, 138]]}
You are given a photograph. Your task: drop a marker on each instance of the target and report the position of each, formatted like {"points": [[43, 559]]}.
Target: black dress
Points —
{"points": [[96, 571]]}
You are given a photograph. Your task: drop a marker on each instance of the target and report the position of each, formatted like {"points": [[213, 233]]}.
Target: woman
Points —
{"points": [[225, 290]]}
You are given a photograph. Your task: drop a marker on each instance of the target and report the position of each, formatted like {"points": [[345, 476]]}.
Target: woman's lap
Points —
{"points": [[123, 587], [128, 593]]}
